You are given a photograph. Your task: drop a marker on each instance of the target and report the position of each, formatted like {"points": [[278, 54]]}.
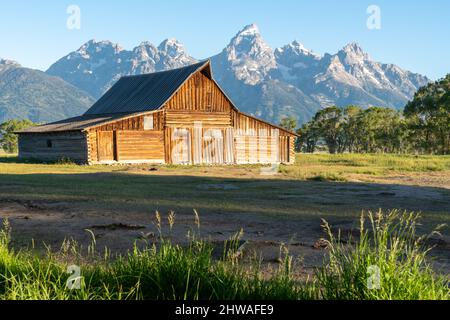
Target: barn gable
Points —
{"points": [[148, 92]]}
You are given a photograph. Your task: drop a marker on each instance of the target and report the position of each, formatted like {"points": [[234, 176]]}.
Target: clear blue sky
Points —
{"points": [[414, 34]]}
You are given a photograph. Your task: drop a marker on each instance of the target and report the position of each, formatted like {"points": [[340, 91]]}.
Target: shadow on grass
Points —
{"points": [[274, 197], [12, 159]]}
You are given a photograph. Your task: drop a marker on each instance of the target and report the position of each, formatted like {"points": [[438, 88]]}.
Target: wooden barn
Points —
{"points": [[180, 116]]}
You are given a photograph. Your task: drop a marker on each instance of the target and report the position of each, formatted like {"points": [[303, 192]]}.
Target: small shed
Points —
{"points": [[180, 116]]}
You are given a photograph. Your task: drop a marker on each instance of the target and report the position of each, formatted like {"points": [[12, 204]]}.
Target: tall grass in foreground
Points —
{"points": [[387, 262], [169, 271], [164, 271]]}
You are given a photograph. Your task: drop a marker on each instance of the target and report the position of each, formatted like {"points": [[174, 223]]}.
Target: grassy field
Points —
{"points": [[169, 272], [346, 166], [49, 203]]}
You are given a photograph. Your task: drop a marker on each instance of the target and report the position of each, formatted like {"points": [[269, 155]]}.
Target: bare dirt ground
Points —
{"points": [[276, 211]]}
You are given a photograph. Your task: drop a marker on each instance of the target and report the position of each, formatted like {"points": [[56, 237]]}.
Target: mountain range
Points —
{"points": [[35, 95], [268, 83]]}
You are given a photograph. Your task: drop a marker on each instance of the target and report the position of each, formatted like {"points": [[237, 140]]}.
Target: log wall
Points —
{"points": [[54, 146], [130, 141]]}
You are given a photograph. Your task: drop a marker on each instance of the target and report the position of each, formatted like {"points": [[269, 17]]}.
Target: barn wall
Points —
{"points": [[202, 127], [130, 142], [199, 145], [54, 146], [140, 145], [198, 127], [260, 142], [183, 119]]}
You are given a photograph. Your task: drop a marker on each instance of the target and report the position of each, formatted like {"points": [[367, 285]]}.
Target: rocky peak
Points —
{"points": [[145, 51], [93, 47], [8, 64], [172, 54], [172, 48], [353, 54], [250, 57], [295, 48]]}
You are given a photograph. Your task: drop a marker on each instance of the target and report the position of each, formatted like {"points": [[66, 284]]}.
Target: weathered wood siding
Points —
{"points": [[199, 94], [54, 146], [140, 145], [186, 119], [127, 141], [199, 145], [198, 124], [202, 127], [261, 142]]}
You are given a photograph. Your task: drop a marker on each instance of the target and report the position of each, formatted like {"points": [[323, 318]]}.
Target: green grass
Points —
{"points": [[158, 272], [308, 166], [169, 271], [387, 262]]}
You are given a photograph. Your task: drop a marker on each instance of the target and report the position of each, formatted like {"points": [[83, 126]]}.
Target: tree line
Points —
{"points": [[422, 127]]}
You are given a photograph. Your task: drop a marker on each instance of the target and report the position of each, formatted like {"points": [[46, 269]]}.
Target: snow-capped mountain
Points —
{"points": [[248, 57], [97, 65], [348, 77], [248, 70], [291, 80]]}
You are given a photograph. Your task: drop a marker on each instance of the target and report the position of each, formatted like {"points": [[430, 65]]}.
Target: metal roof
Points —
{"points": [[74, 124], [146, 92]]}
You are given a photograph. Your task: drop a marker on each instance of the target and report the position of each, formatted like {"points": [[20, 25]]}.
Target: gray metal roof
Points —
{"points": [[74, 124], [142, 93]]}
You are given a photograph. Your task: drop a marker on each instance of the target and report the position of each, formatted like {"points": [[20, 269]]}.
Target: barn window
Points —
{"points": [[49, 144], [148, 123]]}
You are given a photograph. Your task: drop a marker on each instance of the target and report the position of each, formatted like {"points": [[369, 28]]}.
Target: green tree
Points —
{"points": [[328, 123], [8, 139], [289, 123], [351, 127], [380, 130], [309, 136], [428, 117]]}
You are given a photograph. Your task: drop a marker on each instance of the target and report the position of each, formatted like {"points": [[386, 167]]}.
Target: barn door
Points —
{"points": [[106, 147]]}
